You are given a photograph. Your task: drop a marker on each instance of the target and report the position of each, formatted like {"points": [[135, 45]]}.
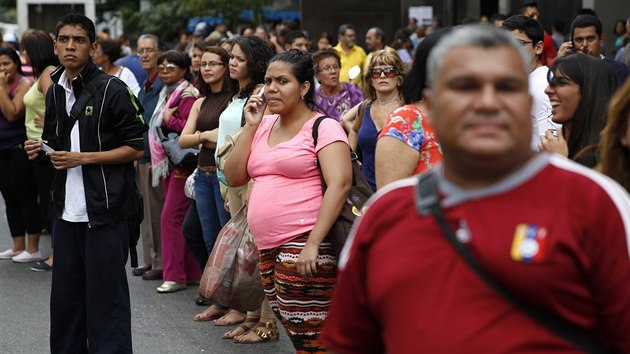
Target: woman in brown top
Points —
{"points": [[201, 130]]}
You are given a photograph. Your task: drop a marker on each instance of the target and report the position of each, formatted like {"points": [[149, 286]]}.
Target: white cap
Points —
{"points": [[9, 38]]}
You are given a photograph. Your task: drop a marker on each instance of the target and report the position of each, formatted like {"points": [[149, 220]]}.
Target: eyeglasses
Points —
{"points": [[147, 51], [168, 67], [523, 42], [330, 69], [211, 64], [389, 71]]}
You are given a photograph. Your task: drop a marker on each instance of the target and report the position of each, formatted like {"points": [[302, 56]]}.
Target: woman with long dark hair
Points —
{"points": [[38, 51], [580, 88], [201, 129]]}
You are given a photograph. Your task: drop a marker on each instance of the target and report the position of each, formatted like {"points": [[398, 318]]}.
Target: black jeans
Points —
{"points": [[89, 302], [19, 190], [193, 233]]}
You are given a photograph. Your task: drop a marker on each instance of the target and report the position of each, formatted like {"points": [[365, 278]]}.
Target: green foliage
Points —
{"points": [[230, 9], [165, 19], [8, 15]]}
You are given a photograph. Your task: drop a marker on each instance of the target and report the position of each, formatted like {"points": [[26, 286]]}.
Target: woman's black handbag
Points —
{"points": [[178, 156]]}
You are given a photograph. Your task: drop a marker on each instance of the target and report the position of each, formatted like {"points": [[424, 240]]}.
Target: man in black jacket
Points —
{"points": [[94, 125]]}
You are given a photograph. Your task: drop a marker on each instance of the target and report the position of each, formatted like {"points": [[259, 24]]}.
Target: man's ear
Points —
{"points": [[93, 49], [538, 49]]}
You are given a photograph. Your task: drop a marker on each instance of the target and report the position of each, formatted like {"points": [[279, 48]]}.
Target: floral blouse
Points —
{"points": [[411, 126]]}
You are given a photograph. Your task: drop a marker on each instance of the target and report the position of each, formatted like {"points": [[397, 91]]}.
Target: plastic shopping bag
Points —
{"points": [[232, 276]]}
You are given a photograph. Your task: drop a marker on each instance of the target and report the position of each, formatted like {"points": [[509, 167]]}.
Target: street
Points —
{"points": [[161, 323]]}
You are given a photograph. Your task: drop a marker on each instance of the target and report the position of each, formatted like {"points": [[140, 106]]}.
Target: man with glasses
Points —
{"points": [[352, 56], [149, 48], [529, 33], [93, 131], [587, 37]]}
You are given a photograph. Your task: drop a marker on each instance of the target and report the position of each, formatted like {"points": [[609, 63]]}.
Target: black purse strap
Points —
{"points": [[428, 202]]}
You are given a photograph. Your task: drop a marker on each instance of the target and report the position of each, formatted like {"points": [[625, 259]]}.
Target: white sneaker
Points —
{"points": [[10, 253], [26, 257]]}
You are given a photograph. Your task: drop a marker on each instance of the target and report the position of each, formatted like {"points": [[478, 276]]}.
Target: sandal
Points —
{"points": [[242, 329], [263, 332], [231, 318], [211, 313]]}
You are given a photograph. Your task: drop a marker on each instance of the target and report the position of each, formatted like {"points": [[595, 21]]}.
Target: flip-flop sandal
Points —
{"points": [[264, 333], [230, 319], [243, 328], [206, 316]]}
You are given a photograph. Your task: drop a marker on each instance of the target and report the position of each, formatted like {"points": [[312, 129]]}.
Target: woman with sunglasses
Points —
{"points": [[201, 131], [171, 113], [333, 97], [407, 144], [364, 122], [579, 90]]}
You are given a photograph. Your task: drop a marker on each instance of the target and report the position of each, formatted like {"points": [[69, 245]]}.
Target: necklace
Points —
{"points": [[387, 101]]}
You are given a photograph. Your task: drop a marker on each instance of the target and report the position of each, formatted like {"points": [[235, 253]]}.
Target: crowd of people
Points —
{"points": [[492, 114]]}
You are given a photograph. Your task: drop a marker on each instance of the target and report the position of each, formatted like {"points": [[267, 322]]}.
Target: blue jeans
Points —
{"points": [[212, 213]]}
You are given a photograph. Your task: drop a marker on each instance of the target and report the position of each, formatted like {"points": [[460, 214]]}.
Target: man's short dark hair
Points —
{"points": [[498, 17], [527, 3], [526, 25], [291, 36], [583, 21], [76, 19], [343, 28], [586, 11]]}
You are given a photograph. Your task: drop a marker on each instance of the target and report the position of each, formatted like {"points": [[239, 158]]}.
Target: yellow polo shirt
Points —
{"points": [[356, 57]]}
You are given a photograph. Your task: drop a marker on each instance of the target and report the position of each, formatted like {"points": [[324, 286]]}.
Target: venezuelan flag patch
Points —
{"points": [[528, 244]]}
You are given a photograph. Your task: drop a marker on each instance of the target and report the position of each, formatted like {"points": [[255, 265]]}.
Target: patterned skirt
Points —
{"points": [[300, 304]]}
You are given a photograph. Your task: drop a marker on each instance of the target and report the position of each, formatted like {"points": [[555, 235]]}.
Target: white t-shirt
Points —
{"points": [[541, 107], [75, 207], [126, 76]]}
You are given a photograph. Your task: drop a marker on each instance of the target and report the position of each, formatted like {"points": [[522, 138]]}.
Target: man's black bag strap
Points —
{"points": [[428, 202]]}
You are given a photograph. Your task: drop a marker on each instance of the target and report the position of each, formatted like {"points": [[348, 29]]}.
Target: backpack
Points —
{"points": [[360, 192]]}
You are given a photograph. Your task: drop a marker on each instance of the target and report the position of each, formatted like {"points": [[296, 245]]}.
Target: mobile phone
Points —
{"points": [[46, 148], [261, 93]]}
